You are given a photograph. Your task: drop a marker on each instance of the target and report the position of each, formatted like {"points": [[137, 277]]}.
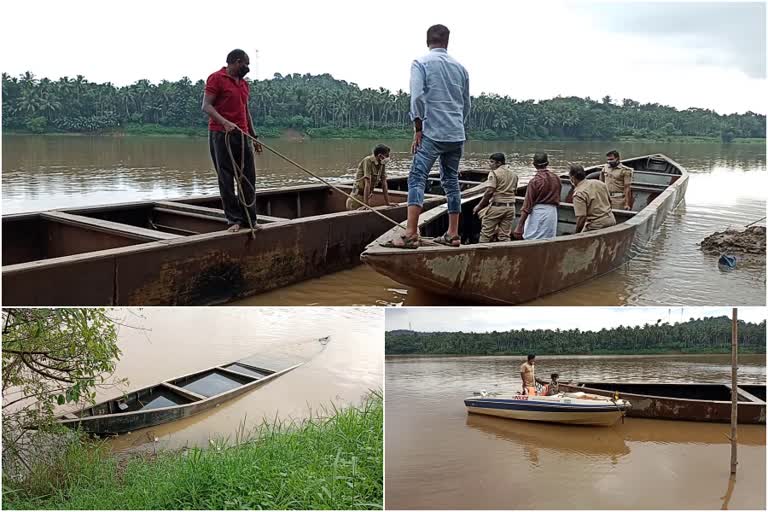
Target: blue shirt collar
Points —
{"points": [[443, 50]]}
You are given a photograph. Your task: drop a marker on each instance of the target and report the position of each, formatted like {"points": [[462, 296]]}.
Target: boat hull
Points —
{"points": [[101, 421], [515, 272], [532, 410], [604, 419], [88, 261], [751, 409]]}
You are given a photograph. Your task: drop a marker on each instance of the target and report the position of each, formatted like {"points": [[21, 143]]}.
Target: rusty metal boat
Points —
{"points": [[519, 271], [689, 402], [177, 252], [184, 396]]}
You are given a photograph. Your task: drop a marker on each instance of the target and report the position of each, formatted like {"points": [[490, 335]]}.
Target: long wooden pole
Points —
{"points": [[734, 389]]}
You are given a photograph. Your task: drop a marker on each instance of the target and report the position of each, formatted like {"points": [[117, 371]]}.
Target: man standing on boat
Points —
{"points": [[497, 207], [528, 375], [440, 106], [226, 103], [538, 217], [618, 178], [371, 173], [591, 201]]}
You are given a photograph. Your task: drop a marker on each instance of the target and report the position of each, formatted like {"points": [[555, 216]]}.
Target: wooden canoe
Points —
{"points": [[688, 402], [181, 397], [519, 271], [177, 252]]}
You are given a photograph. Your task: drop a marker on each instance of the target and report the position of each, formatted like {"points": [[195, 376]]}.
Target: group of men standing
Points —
{"points": [[440, 106]]}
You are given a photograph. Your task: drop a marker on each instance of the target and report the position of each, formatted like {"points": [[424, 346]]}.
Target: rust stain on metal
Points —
{"points": [[578, 259], [450, 268]]}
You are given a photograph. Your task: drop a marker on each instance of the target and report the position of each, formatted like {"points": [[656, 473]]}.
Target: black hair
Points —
{"points": [[577, 171], [235, 55], [554, 376], [531, 356], [498, 157], [613, 153], [540, 160], [438, 34], [381, 149]]}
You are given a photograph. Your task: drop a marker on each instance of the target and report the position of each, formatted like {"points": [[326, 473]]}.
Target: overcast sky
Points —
{"points": [[683, 54], [484, 319]]}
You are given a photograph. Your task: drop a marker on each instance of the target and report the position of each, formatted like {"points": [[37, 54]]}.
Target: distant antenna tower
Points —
{"points": [[256, 64], [410, 327]]}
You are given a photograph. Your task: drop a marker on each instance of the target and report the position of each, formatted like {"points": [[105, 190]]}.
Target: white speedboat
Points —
{"points": [[572, 408]]}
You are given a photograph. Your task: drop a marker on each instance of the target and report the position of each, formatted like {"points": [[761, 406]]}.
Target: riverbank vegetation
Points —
{"points": [[706, 336], [321, 106], [332, 462], [51, 357]]}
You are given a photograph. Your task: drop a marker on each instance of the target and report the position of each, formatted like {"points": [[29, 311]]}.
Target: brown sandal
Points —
{"points": [[409, 242], [448, 240]]}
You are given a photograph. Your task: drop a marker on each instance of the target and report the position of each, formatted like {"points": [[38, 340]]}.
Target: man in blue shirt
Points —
{"points": [[439, 109]]}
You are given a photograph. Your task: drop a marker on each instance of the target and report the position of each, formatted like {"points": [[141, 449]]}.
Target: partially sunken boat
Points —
{"points": [[689, 402], [177, 252], [522, 270], [181, 397], [576, 408]]}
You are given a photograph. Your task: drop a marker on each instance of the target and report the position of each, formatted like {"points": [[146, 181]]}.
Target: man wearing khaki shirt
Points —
{"points": [[618, 178], [497, 207], [591, 202]]}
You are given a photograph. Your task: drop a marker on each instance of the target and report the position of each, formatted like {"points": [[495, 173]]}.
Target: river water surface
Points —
{"points": [[439, 457], [726, 188], [161, 343]]}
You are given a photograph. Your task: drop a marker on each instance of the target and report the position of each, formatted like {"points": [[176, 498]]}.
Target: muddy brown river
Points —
{"points": [[726, 188], [439, 457], [162, 343]]}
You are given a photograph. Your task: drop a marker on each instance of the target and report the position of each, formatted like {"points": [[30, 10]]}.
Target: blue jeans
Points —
{"points": [[429, 151]]}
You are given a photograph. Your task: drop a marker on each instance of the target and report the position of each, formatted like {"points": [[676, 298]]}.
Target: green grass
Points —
{"points": [[332, 463]]}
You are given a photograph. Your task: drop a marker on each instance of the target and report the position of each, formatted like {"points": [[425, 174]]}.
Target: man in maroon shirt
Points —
{"points": [[226, 103], [542, 197]]}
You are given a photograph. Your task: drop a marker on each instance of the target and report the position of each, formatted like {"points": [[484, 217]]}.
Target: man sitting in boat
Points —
{"points": [[538, 217], [591, 202], [371, 173], [618, 178], [528, 375], [553, 387], [497, 207]]}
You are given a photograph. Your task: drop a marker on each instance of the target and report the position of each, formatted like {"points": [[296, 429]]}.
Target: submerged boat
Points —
{"points": [[177, 252], [181, 397], [690, 402], [576, 408], [522, 270]]}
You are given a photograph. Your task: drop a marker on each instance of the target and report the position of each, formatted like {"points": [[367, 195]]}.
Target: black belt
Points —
{"points": [[503, 204]]}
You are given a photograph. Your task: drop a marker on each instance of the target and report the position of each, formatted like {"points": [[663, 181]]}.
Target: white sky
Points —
{"points": [[484, 319], [709, 55]]}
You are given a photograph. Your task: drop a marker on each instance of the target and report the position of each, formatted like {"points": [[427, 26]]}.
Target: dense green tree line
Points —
{"points": [[707, 335], [315, 103]]}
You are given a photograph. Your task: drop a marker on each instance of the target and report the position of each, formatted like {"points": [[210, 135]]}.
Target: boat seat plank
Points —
{"points": [[190, 208], [207, 212], [107, 226], [748, 396], [235, 372], [184, 392]]}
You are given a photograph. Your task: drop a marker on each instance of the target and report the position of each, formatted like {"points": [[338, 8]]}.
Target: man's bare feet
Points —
{"points": [[234, 228]]}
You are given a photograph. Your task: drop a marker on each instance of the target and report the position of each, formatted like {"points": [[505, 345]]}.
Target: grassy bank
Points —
{"points": [[375, 134], [334, 463]]}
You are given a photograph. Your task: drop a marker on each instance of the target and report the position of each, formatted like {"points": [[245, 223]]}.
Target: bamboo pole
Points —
{"points": [[734, 389]]}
